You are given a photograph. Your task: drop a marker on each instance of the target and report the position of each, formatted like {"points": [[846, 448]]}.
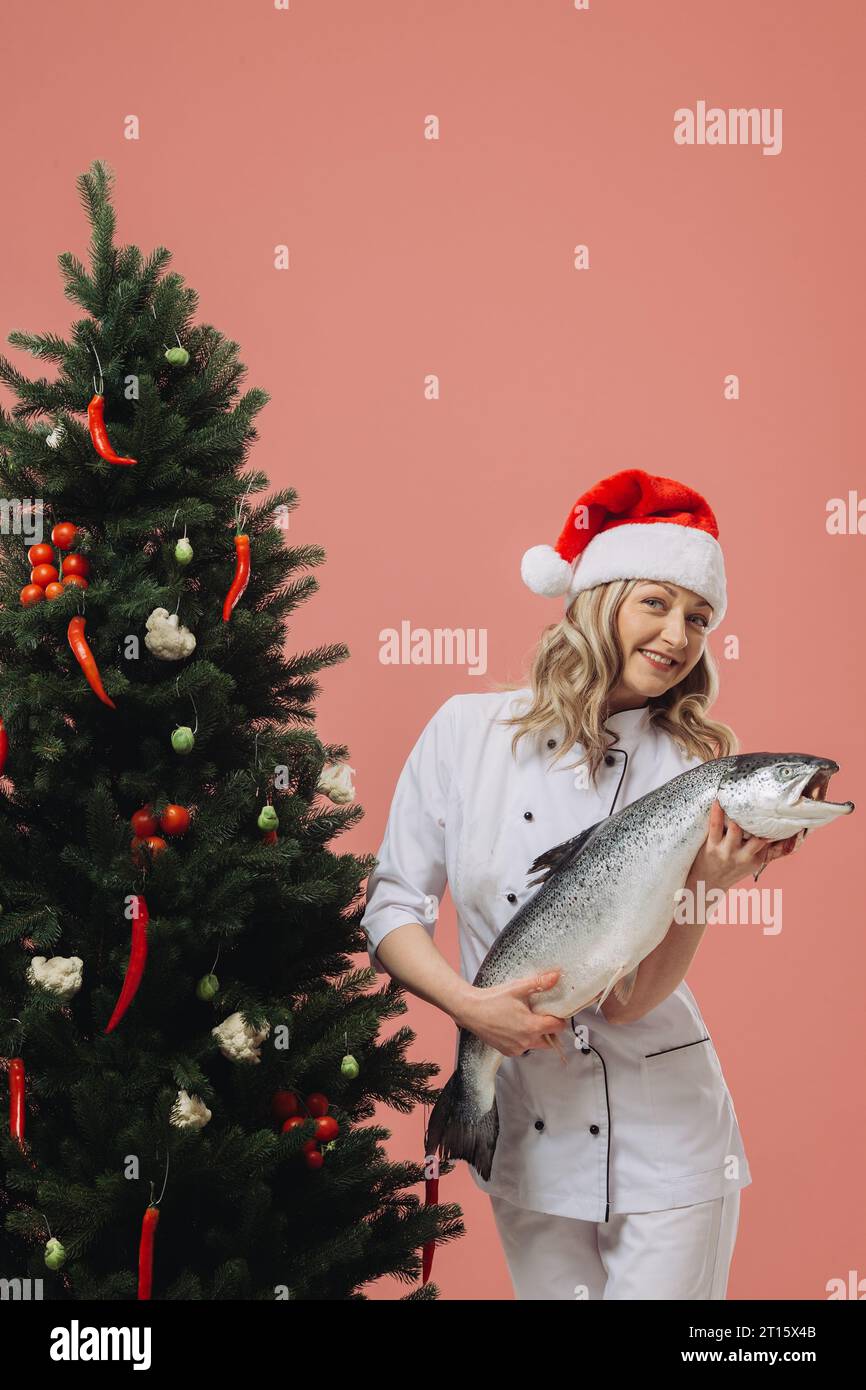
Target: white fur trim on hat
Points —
{"points": [[683, 555], [544, 571]]}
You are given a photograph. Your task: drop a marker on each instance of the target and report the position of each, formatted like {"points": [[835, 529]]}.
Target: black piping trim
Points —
{"points": [[589, 1045], [622, 774], [607, 1103], [663, 1050]]}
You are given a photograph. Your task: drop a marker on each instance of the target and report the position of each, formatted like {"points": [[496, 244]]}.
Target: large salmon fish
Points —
{"points": [[607, 898]]}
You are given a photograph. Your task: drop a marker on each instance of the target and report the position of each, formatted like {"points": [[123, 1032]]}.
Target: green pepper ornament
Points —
{"points": [[207, 988], [268, 818], [177, 356], [183, 551], [349, 1067]]}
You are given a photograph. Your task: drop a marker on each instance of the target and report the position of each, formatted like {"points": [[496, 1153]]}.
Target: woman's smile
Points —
{"points": [[664, 663]]}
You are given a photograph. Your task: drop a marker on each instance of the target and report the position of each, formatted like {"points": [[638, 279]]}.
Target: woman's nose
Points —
{"points": [[675, 633]]}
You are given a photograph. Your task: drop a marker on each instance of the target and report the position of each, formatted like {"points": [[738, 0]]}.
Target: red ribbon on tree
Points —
{"points": [[431, 1196]]}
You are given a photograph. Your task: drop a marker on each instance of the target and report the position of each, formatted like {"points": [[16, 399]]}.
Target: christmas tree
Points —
{"points": [[188, 1046]]}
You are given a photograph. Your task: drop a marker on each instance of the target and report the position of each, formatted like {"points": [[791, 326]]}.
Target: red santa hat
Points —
{"points": [[633, 525]]}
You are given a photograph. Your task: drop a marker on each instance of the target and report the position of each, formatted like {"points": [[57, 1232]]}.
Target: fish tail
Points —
{"points": [[460, 1126]]}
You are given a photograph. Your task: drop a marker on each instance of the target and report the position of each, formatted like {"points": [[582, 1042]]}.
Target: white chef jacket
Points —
{"points": [[640, 1118]]}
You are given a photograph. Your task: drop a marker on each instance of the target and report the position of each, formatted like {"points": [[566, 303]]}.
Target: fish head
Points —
{"points": [[774, 795]]}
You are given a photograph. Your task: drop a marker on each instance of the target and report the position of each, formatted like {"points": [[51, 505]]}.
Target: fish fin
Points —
{"points": [[552, 1040], [615, 980], [556, 859], [458, 1129], [623, 988]]}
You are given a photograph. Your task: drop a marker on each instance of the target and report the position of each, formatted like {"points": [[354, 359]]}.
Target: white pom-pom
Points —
{"points": [[544, 571]]}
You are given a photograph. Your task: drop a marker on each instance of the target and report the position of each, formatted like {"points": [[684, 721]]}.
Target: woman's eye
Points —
{"points": [[703, 622]]}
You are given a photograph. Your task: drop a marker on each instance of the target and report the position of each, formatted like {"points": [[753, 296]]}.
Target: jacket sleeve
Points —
{"points": [[410, 876]]}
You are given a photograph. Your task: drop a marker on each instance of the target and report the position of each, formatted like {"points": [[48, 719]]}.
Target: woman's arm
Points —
{"points": [[408, 953], [501, 1015], [721, 862]]}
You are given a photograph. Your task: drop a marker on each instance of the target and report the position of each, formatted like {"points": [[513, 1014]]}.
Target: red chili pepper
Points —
{"points": [[85, 658], [16, 1099], [135, 968], [242, 575], [269, 837], [98, 433], [4, 746], [431, 1196], [149, 1223]]}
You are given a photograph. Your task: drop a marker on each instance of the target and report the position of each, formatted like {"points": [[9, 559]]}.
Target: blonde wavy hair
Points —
{"points": [[577, 663]]}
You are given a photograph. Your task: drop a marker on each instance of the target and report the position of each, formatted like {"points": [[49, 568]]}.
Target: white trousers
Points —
{"points": [[679, 1253]]}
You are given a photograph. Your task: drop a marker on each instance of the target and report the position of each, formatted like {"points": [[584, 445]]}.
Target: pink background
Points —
{"points": [[411, 256]]}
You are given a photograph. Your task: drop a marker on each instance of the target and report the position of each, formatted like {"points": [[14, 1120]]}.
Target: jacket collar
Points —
{"points": [[629, 724]]}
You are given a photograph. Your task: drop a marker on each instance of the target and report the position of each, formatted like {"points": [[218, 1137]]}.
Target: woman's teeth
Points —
{"points": [[655, 659]]}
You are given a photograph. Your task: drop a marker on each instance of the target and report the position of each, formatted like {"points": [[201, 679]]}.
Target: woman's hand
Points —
{"points": [[725, 857], [502, 1017]]}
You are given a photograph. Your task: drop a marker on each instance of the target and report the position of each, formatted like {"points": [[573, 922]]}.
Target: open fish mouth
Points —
{"points": [[816, 787], [810, 802]]}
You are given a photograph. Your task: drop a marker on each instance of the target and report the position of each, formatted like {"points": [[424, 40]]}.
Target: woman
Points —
{"points": [[618, 1174]]}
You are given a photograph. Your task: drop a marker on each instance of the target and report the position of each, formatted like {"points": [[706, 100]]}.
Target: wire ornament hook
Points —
{"points": [[239, 510], [165, 345], [100, 389], [177, 683], [165, 1180]]}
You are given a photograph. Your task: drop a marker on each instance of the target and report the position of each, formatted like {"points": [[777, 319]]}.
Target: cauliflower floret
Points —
{"points": [[189, 1112], [60, 975], [166, 636], [238, 1041], [335, 781]]}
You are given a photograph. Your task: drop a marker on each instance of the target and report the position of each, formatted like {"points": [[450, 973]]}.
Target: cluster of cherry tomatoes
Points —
{"points": [[46, 580], [286, 1108], [173, 821]]}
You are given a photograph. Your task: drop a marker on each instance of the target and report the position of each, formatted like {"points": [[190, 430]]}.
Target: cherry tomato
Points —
{"points": [[292, 1123], [41, 554], [317, 1103], [314, 1159], [144, 822], [75, 564], [284, 1104], [76, 580], [174, 820], [63, 535], [156, 843], [44, 574], [326, 1128], [32, 593], [54, 590]]}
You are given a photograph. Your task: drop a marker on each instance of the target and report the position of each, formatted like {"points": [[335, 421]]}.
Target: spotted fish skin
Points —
{"points": [[605, 901]]}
